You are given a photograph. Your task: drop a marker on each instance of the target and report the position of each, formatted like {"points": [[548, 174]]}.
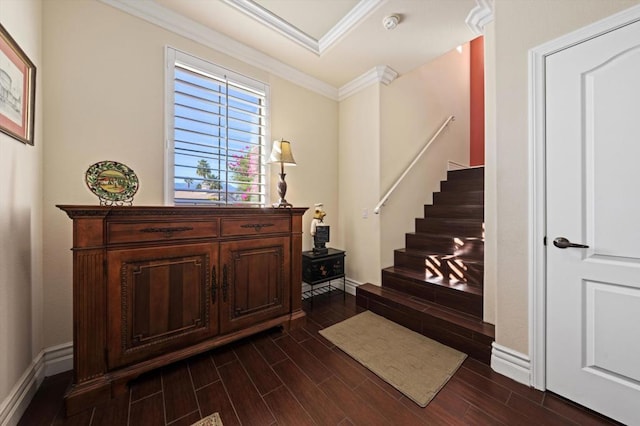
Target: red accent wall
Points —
{"points": [[476, 155]]}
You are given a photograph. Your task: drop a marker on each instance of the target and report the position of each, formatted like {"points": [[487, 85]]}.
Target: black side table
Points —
{"points": [[322, 268]]}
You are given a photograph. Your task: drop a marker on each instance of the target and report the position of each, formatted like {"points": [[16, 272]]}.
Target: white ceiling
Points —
{"points": [[314, 17], [332, 41]]}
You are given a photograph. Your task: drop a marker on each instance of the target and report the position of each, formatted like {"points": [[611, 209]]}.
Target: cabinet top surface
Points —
{"points": [[102, 211], [332, 252]]}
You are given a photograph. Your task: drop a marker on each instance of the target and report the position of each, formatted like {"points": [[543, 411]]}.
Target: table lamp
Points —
{"points": [[281, 153]]}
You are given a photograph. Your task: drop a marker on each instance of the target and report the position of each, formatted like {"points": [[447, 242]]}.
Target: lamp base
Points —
{"points": [[282, 203], [282, 190]]}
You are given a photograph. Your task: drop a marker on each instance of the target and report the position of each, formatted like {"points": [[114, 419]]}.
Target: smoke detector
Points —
{"points": [[390, 22]]}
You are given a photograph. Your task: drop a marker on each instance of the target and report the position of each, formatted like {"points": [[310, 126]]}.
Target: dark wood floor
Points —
{"points": [[299, 378]]}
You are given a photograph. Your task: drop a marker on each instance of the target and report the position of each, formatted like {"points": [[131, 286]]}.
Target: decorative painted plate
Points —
{"points": [[113, 183]]}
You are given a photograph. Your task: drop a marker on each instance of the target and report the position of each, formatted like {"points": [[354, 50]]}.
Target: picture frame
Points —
{"points": [[17, 90]]}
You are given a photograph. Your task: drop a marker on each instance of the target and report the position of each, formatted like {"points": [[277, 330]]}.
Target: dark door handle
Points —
{"points": [[563, 243]]}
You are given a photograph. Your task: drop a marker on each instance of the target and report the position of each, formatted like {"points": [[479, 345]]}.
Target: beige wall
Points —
{"points": [[104, 97], [310, 123], [518, 27], [21, 217], [413, 107], [359, 177], [382, 128]]}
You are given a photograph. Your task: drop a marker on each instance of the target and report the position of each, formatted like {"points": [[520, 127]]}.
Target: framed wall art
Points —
{"points": [[17, 90]]}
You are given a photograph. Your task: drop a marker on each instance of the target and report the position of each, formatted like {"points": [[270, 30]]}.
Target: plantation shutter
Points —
{"points": [[218, 136]]}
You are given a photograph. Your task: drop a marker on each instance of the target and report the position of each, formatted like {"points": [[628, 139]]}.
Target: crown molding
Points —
{"points": [[385, 74], [273, 21], [480, 16], [152, 12], [379, 74], [359, 12]]}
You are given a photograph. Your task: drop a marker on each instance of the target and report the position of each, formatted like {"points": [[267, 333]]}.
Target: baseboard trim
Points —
{"points": [[58, 359], [18, 399], [48, 362], [510, 363], [352, 285]]}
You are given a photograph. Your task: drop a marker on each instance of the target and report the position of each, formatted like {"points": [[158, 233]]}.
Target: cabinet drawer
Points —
{"points": [[254, 226], [160, 231], [325, 269]]}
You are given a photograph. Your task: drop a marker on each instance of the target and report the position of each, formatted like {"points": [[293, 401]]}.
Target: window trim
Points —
{"points": [[173, 55]]}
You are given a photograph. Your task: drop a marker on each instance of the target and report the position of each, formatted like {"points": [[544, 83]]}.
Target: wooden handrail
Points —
{"points": [[413, 163]]}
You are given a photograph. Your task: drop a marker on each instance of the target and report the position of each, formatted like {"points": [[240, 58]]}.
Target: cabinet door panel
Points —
{"points": [[160, 298], [256, 275]]}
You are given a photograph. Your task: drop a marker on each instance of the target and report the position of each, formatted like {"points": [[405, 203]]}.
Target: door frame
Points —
{"points": [[537, 181]]}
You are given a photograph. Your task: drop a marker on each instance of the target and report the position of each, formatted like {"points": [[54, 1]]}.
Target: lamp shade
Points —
{"points": [[281, 153]]}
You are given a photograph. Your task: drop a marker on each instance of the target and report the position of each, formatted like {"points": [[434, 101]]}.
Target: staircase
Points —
{"points": [[435, 285]]}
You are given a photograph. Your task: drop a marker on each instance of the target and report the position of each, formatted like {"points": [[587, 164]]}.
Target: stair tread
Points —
{"points": [[419, 276], [466, 191], [455, 206], [453, 316], [455, 220], [449, 225], [437, 235], [471, 247], [423, 253]]}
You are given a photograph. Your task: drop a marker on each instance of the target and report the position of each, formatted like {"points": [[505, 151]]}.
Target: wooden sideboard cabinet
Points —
{"points": [[154, 285]]}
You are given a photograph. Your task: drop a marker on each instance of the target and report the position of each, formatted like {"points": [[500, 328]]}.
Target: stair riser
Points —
{"points": [[468, 303], [447, 226], [423, 291], [475, 173], [462, 185], [406, 260], [470, 272], [433, 265], [458, 198], [459, 212], [430, 243], [472, 249]]}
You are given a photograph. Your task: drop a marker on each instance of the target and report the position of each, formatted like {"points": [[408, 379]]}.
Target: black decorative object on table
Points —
{"points": [[319, 230], [320, 239], [322, 269]]}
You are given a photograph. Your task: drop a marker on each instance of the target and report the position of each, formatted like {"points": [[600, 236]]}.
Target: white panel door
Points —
{"points": [[593, 198]]}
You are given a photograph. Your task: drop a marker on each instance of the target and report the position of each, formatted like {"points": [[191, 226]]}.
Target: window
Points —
{"points": [[217, 132]]}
